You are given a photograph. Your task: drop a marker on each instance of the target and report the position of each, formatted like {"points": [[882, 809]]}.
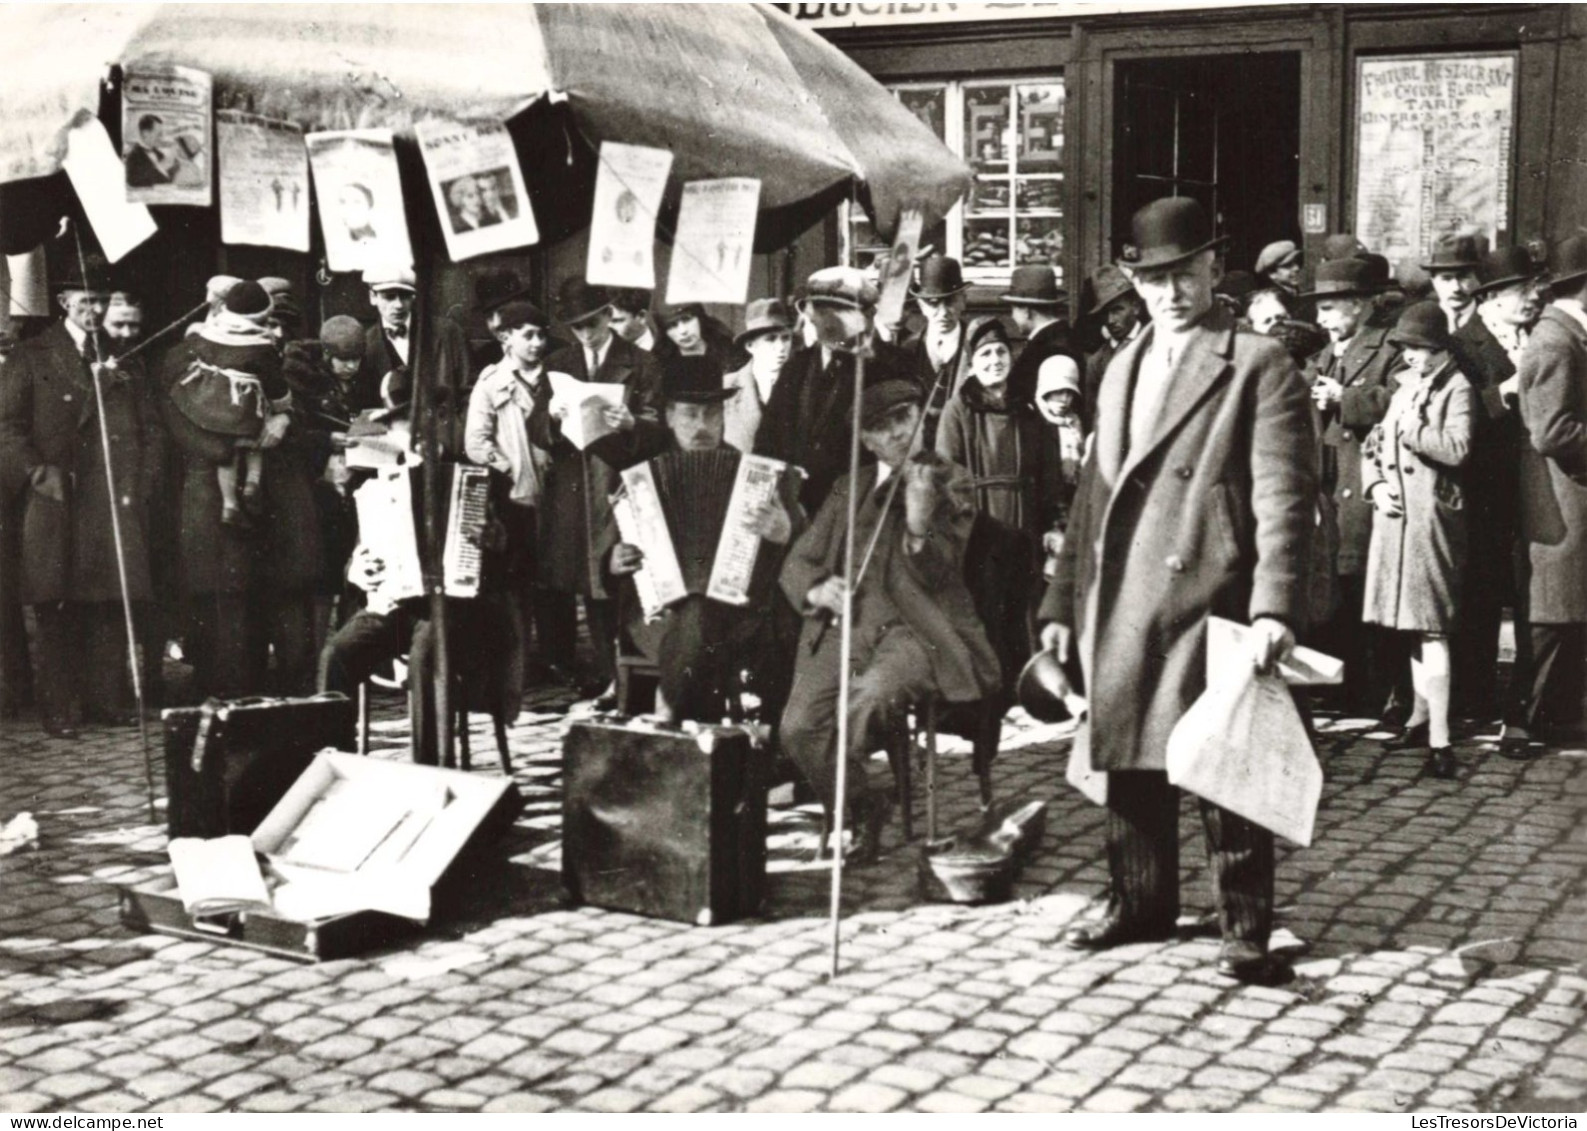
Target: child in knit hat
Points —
{"points": [[1058, 401], [231, 384]]}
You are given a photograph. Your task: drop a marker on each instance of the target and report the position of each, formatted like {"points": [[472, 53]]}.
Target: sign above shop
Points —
{"points": [[849, 14]]}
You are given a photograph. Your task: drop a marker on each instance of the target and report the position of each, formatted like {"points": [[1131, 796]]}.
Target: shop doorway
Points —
{"points": [[1224, 129]]}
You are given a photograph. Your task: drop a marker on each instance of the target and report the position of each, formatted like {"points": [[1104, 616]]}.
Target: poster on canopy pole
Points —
{"points": [[628, 191], [479, 188], [715, 241], [264, 181], [165, 119], [360, 196]]}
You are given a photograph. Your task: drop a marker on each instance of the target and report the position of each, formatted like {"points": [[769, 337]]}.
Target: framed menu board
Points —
{"points": [[1434, 149]]}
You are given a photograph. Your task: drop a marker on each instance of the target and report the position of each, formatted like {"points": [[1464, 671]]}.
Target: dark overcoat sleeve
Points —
{"points": [[1552, 399]]}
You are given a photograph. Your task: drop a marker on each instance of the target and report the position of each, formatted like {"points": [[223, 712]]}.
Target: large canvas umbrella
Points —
{"points": [[729, 89]]}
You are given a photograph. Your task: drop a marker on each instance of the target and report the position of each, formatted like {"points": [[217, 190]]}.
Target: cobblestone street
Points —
{"points": [[1437, 932]]}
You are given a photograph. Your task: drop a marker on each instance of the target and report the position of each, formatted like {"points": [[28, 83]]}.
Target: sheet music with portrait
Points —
{"points": [[385, 529], [648, 530], [739, 547], [628, 530]]}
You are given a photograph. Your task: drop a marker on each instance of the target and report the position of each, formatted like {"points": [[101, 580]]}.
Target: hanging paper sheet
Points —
{"points": [[165, 118], [628, 192], [715, 241], [95, 172], [360, 196], [479, 189], [264, 181]]}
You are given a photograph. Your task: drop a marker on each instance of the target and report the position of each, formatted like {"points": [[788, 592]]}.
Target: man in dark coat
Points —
{"points": [[1117, 317], [50, 437], [808, 420], [1553, 402], [1351, 385], [392, 289], [577, 528], [1036, 305], [1487, 349], [915, 629], [1198, 499], [933, 358]]}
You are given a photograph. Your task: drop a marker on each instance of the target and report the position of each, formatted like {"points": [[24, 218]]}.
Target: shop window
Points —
{"points": [[1011, 134]]}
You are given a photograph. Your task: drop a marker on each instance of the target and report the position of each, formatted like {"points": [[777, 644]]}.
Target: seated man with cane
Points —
{"points": [[914, 628]]}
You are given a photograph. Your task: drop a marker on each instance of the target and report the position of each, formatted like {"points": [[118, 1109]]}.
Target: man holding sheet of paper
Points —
{"points": [[1198, 499]]}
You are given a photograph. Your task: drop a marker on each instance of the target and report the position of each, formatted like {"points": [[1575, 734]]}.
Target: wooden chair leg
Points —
{"points": [[363, 718], [986, 747], [464, 760], [501, 743], [899, 751], [931, 770]]}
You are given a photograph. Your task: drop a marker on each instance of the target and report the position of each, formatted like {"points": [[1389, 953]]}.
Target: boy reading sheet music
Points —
{"points": [[697, 636]]}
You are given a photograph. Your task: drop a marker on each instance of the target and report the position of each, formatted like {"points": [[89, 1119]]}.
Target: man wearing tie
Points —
{"points": [[1198, 499], [392, 288], [932, 357]]}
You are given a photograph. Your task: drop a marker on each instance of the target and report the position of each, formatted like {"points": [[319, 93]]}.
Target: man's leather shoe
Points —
{"points": [[1114, 931], [1242, 960], [870, 817], [1519, 746], [1440, 763], [1411, 738]]}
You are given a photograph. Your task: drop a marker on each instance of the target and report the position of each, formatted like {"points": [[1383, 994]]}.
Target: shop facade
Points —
{"points": [[1394, 122]]}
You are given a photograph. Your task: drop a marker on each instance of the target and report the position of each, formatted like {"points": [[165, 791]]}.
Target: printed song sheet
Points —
{"points": [[715, 241], [165, 115], [385, 530], [264, 181], [629, 530], [360, 196], [217, 875], [479, 188], [628, 191], [651, 535], [584, 403], [739, 547]]}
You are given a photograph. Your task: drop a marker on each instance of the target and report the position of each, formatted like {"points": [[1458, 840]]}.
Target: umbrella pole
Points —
{"points": [[434, 567], [121, 552], [845, 654]]}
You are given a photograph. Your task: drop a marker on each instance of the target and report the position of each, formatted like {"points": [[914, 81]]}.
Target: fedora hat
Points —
{"points": [[1279, 253], [1345, 278], [578, 300], [940, 277], [1166, 232], [692, 380], [1034, 285], [1455, 253], [1570, 261], [1108, 284], [91, 274], [764, 316], [1506, 266], [1423, 325], [1042, 687]]}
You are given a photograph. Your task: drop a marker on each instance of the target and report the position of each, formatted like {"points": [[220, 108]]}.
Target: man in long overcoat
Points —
{"points": [[1553, 399], [50, 435], [1351, 384], [1198, 499], [577, 527]]}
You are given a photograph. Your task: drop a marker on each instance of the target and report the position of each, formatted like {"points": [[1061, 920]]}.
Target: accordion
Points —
{"points": [[688, 511]]}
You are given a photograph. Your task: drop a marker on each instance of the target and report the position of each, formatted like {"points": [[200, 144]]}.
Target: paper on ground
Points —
{"points": [[217, 875], [99, 179], [584, 402], [1242, 746]]}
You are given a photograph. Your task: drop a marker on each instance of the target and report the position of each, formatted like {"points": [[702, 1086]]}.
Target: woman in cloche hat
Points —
{"points": [[1410, 475]]}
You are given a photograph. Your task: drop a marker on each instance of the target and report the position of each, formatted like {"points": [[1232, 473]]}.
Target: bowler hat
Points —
{"points": [[1279, 253], [882, 396], [1423, 325], [1570, 261], [1109, 284], [940, 277], [1034, 285], [495, 289], [1342, 245], [1379, 271], [91, 274], [1042, 687], [1168, 231], [1345, 278], [578, 300], [1506, 266], [692, 380], [1455, 253], [764, 316]]}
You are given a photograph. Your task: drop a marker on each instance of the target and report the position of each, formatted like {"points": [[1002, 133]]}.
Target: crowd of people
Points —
{"points": [[1379, 465]]}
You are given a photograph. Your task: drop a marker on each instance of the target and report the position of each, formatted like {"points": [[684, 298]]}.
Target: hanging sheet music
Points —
{"points": [[360, 196], [264, 181], [757, 481], [165, 118], [628, 192], [385, 531], [95, 172], [900, 269], [463, 557], [631, 530], [715, 241], [479, 189], [648, 524]]}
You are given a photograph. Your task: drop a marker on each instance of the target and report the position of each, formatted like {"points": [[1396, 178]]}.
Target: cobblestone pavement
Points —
{"points": [[1436, 932]]}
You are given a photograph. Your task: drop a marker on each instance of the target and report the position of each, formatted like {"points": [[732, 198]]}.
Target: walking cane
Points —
{"points": [[121, 552], [845, 652]]}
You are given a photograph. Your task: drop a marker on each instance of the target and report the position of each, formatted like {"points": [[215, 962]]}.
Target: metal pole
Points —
{"points": [[845, 652], [121, 553]]}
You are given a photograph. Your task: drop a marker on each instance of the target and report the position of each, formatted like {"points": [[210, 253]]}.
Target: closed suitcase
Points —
{"points": [[664, 823], [228, 762]]}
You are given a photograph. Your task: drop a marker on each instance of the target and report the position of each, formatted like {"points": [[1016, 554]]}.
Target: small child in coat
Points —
{"points": [[1058, 401]]}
